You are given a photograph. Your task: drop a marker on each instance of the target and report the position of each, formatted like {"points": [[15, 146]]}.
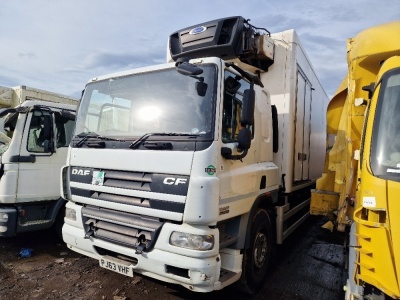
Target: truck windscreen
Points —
{"points": [[157, 101], [385, 148]]}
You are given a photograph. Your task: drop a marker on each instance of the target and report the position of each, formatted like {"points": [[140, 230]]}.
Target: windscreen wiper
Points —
{"points": [[144, 137], [93, 135]]}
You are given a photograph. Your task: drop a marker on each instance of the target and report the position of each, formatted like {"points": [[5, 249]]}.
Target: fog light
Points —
{"points": [[70, 214], [3, 217], [192, 241]]}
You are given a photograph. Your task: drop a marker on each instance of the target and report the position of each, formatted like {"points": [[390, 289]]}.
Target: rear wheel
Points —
{"points": [[257, 256]]}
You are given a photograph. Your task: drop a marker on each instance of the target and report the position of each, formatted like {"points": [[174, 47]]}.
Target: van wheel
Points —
{"points": [[257, 256]]}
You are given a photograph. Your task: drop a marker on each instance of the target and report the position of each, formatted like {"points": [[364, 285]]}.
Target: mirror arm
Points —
{"points": [[228, 154], [240, 156]]}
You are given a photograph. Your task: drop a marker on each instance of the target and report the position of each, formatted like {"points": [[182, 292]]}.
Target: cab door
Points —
{"points": [[43, 152]]}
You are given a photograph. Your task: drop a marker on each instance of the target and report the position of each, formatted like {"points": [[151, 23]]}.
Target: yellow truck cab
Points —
{"points": [[360, 184]]}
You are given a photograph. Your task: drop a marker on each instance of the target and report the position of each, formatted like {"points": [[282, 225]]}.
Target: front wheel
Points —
{"points": [[257, 255], [59, 222]]}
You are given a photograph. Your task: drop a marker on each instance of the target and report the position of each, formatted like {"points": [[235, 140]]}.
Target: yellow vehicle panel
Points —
{"points": [[369, 199], [345, 120]]}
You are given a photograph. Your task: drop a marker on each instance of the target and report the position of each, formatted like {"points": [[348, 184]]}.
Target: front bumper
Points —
{"points": [[196, 270]]}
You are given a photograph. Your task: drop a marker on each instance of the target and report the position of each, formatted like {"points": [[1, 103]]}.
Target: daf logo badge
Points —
{"points": [[80, 172], [198, 30]]}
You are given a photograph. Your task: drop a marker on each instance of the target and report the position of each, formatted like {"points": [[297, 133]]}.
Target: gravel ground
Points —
{"points": [[310, 265]]}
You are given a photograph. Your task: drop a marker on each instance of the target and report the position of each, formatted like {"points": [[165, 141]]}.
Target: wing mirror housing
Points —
{"points": [[48, 134], [244, 143], [370, 89], [249, 99], [185, 68], [244, 139]]}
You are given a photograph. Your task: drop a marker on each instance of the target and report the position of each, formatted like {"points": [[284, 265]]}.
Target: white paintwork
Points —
{"points": [[38, 181], [173, 162], [281, 83]]}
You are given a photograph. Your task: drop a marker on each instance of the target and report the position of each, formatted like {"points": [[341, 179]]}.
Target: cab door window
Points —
{"points": [[385, 146], [232, 108], [36, 135]]}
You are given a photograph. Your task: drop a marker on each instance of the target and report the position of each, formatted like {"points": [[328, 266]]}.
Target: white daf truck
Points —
{"points": [[36, 127], [191, 171]]}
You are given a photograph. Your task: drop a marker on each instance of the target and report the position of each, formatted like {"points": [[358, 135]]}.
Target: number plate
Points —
{"points": [[116, 267]]}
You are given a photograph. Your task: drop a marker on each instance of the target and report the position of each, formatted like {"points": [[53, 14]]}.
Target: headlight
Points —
{"points": [[192, 241], [3, 217], [70, 214]]}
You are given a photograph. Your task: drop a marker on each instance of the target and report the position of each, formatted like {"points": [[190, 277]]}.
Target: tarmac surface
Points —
{"points": [[310, 265]]}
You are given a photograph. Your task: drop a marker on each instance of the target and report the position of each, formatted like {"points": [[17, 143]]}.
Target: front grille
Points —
{"points": [[126, 229], [151, 194], [133, 201], [150, 182], [127, 208], [128, 180]]}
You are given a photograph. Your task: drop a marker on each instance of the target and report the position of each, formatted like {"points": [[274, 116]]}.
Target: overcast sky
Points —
{"points": [[58, 45]]}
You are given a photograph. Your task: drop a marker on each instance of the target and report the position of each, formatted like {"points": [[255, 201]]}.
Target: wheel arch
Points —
{"points": [[255, 263], [263, 201]]}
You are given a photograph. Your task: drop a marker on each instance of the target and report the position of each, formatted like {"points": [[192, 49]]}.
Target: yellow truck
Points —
{"points": [[360, 186]]}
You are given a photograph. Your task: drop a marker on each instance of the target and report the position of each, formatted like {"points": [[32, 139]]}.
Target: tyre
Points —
{"points": [[257, 256], [59, 222]]}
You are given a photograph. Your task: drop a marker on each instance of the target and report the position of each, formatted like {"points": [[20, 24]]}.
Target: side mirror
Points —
{"points": [[185, 68], [244, 139], [48, 146], [68, 115], [370, 89], [249, 99], [6, 111], [47, 134], [47, 127], [232, 85], [244, 143], [201, 88]]}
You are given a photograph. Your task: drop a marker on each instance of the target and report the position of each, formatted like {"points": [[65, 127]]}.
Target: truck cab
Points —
{"points": [[360, 183], [376, 227], [36, 138]]}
